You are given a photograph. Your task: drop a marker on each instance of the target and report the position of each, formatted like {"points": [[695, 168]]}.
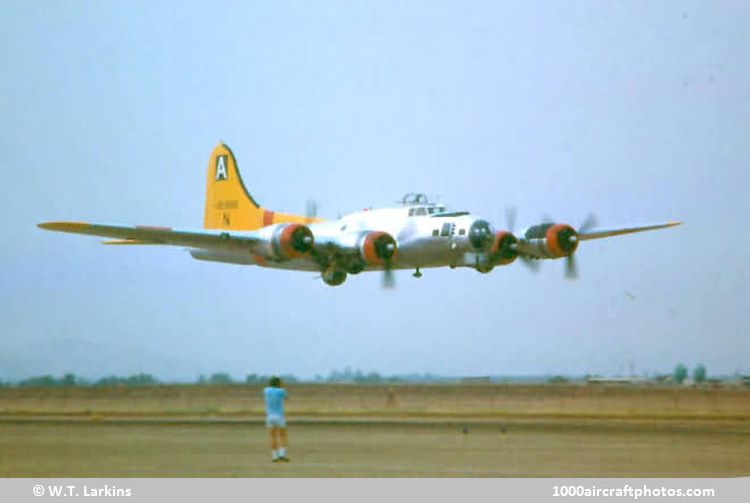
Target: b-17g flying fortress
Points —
{"points": [[416, 234]]}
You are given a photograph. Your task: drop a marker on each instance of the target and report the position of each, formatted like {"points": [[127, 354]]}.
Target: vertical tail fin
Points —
{"points": [[229, 205]]}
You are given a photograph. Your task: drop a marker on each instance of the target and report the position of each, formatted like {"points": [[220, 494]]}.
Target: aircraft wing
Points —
{"points": [[605, 233], [146, 235]]}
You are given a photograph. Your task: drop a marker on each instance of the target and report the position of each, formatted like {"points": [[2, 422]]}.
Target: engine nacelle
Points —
{"points": [[550, 240], [504, 248], [480, 235], [562, 240], [377, 248], [291, 241]]}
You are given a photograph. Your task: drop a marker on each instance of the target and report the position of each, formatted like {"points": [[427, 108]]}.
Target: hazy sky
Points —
{"points": [[637, 111]]}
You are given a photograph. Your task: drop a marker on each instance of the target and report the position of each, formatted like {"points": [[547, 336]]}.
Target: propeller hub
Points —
{"points": [[302, 240]]}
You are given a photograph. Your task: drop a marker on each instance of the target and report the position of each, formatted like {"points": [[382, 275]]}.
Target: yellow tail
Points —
{"points": [[228, 203]]}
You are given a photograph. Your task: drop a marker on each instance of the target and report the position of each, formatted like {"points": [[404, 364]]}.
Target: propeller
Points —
{"points": [[588, 224], [385, 247], [571, 265], [388, 280], [531, 264], [510, 218], [571, 269], [311, 209]]}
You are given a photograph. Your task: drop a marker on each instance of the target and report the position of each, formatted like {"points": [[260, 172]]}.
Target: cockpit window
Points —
{"points": [[421, 211]]}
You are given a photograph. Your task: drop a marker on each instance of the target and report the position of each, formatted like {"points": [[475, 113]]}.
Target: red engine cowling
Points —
{"points": [[503, 250], [292, 241], [378, 248], [562, 240]]}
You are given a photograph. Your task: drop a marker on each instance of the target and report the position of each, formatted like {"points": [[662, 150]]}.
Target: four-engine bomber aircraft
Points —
{"points": [[415, 235]]}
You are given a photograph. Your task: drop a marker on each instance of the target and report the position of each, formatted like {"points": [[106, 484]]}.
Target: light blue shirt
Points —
{"points": [[274, 400]]}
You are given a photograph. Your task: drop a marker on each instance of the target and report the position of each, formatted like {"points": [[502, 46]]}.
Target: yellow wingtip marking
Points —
{"points": [[64, 226]]}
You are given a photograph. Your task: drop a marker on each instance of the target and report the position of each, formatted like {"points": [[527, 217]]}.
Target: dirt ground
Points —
{"points": [[555, 448], [341, 430]]}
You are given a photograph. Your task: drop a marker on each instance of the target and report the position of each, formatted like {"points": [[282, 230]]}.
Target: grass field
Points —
{"points": [[343, 400], [377, 431]]}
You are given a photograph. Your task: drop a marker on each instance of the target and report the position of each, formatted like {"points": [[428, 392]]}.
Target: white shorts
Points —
{"points": [[275, 420]]}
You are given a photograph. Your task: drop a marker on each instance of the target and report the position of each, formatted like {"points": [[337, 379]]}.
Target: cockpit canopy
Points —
{"points": [[422, 211], [420, 206]]}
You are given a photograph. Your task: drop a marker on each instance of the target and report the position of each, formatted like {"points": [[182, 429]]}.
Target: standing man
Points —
{"points": [[274, 396]]}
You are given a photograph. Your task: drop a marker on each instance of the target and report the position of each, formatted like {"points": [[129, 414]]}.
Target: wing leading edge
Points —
{"points": [[145, 235], [605, 233]]}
